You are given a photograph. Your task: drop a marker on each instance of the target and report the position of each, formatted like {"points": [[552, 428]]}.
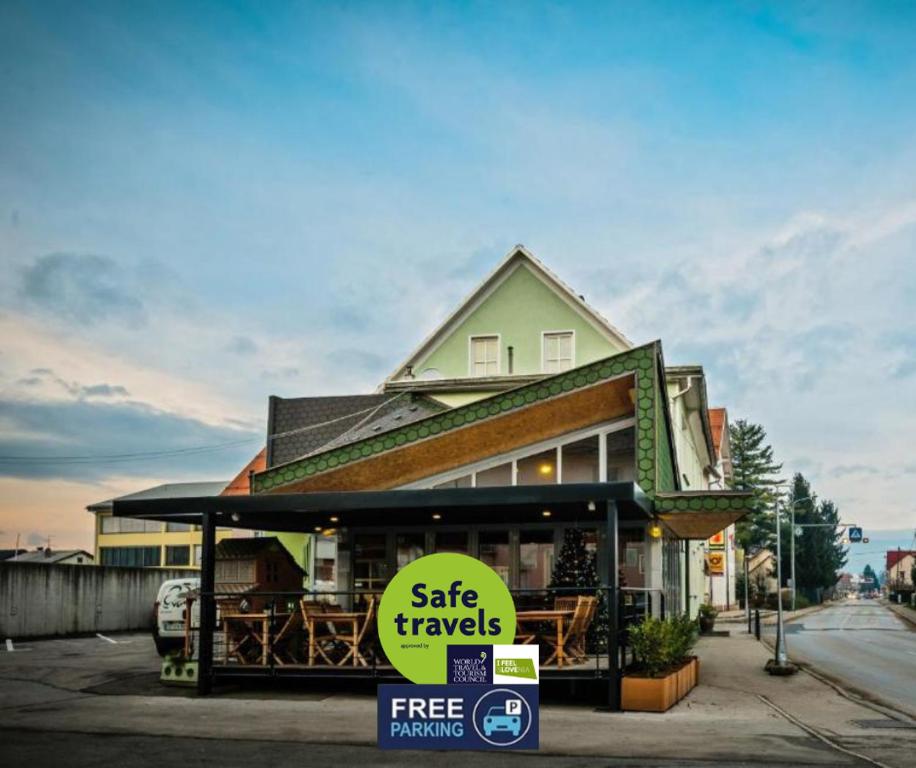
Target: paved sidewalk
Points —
{"points": [[904, 612], [724, 720]]}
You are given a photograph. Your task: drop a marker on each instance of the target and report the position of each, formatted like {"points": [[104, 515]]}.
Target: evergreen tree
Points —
{"points": [[577, 568], [819, 554], [754, 469], [832, 553], [869, 580], [807, 567]]}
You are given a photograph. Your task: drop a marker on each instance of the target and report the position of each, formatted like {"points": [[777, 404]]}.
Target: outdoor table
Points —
{"points": [[260, 635], [555, 616], [353, 618]]}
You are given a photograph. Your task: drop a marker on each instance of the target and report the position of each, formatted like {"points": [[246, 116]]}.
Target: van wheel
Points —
{"points": [[165, 645]]}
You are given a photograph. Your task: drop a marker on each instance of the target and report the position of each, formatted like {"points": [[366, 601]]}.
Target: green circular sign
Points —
{"points": [[437, 601]]}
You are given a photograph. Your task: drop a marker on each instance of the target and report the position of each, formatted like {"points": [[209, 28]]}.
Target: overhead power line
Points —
{"points": [[121, 457]]}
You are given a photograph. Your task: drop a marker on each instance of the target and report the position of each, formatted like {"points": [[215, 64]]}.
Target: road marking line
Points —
{"points": [[102, 637]]}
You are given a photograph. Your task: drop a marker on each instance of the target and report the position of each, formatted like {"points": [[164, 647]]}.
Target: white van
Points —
{"points": [[171, 604]]}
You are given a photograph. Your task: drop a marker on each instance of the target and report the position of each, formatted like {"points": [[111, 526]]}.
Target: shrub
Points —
{"points": [[661, 644], [707, 611]]}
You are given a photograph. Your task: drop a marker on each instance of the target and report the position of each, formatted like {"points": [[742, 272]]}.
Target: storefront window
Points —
{"points": [[410, 547], [325, 561], [370, 563], [540, 469], [494, 551], [632, 557], [496, 476], [535, 558], [580, 461], [621, 456], [452, 541]]}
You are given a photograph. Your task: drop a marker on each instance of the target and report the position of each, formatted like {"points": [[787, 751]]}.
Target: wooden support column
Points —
{"points": [[613, 598], [207, 603]]}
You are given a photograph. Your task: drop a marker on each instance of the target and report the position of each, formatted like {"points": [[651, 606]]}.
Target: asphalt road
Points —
{"points": [[76, 750], [863, 646]]}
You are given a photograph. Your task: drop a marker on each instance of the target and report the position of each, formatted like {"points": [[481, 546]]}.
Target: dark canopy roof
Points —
{"points": [[311, 511]]}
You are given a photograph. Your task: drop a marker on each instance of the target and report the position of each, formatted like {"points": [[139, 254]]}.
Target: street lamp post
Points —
{"points": [[782, 657], [792, 546]]}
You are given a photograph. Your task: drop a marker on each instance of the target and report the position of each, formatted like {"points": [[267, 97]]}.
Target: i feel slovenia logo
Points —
{"points": [[437, 601]]}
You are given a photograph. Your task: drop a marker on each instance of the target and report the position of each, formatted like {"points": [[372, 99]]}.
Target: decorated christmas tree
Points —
{"points": [[575, 566], [576, 572]]}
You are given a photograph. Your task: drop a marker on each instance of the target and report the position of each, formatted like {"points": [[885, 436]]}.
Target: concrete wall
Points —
{"points": [[38, 600]]}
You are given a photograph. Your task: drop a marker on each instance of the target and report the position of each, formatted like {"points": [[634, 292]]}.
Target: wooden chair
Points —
{"points": [[524, 636], [357, 637], [280, 647], [577, 643], [559, 645], [565, 603], [321, 637]]}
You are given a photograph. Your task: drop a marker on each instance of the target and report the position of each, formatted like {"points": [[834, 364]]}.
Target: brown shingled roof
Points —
{"points": [[716, 424], [240, 485]]}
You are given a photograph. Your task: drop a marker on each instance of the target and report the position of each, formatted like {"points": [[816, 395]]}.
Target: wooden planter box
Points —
{"points": [[659, 694]]}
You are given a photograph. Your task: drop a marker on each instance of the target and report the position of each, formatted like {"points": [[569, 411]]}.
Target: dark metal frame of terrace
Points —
{"points": [[607, 503]]}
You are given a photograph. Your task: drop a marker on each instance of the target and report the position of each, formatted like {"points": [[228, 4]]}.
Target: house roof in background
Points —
{"points": [[166, 491], [519, 255], [716, 424], [244, 549], [894, 556], [54, 556], [6, 554], [298, 427], [241, 483]]}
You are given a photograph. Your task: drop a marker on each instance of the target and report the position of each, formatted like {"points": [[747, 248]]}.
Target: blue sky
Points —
{"points": [[203, 204]]}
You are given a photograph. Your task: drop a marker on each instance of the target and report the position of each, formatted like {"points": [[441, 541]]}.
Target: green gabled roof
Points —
{"points": [[656, 470]]}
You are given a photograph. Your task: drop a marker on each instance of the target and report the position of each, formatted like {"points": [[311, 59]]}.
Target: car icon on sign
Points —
{"points": [[496, 719]]}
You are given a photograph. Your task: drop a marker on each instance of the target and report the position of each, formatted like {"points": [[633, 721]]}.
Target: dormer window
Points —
{"points": [[484, 355], [558, 352]]}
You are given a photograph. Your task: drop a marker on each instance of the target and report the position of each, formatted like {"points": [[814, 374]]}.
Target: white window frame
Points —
{"points": [[557, 443], [499, 353], [572, 348]]}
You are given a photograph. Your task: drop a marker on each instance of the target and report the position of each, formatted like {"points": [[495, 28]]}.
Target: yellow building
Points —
{"points": [[149, 544]]}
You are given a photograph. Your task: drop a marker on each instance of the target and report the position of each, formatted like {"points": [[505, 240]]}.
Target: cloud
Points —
{"points": [[242, 345], [104, 390], [59, 440], [853, 469], [45, 377], [356, 360], [85, 288], [25, 376]]}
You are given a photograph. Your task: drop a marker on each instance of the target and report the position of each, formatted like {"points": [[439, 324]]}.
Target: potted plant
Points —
{"points": [[664, 671], [707, 617]]}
